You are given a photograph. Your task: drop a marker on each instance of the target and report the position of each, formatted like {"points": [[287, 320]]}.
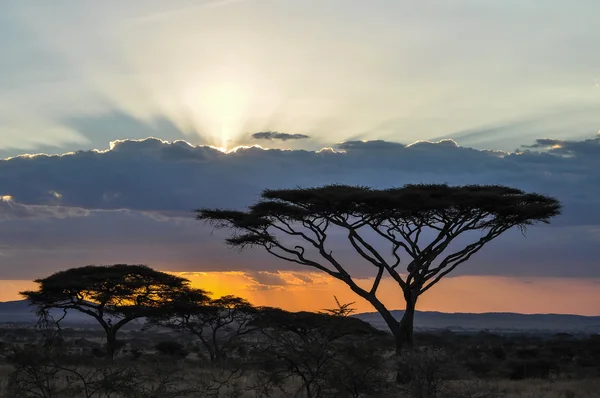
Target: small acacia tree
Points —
{"points": [[342, 310], [307, 346], [219, 323], [418, 224], [113, 295]]}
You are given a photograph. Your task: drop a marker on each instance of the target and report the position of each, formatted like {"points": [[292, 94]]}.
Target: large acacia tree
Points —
{"points": [[113, 295], [408, 233]]}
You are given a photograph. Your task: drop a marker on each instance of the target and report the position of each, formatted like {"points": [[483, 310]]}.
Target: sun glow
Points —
{"points": [[303, 290], [214, 71], [217, 111], [155, 67]]}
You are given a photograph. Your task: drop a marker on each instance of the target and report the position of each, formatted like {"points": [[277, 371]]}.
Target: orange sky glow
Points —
{"points": [[298, 291]]}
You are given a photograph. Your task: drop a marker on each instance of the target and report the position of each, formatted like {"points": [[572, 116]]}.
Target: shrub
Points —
{"points": [[171, 348], [425, 372]]}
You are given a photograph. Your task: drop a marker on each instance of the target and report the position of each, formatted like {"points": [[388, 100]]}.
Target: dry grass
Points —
{"points": [[557, 389], [203, 382], [586, 388], [4, 373], [160, 376], [154, 381]]}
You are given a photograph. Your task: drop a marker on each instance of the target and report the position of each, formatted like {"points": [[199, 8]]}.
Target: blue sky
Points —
{"points": [[504, 92]]}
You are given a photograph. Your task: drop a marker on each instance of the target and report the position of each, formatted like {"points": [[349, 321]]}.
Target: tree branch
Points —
{"points": [[455, 259]]}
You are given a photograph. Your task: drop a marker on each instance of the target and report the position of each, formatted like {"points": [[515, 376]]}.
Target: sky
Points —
{"points": [[117, 119]]}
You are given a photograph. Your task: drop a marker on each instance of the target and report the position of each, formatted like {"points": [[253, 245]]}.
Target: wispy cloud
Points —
{"points": [[274, 135]]}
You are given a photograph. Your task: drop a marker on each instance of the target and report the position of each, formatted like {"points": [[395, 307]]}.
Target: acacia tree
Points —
{"points": [[418, 224], [218, 323], [342, 310], [306, 345], [113, 295]]}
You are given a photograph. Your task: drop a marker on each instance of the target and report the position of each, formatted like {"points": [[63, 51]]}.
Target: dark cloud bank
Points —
{"points": [[134, 202]]}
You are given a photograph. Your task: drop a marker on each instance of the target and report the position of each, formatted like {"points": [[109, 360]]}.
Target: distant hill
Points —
{"points": [[494, 321], [21, 312]]}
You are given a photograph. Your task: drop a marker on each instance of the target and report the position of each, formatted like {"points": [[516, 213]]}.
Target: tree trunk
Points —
{"points": [[403, 330], [209, 348], [404, 335], [404, 338], [111, 344]]}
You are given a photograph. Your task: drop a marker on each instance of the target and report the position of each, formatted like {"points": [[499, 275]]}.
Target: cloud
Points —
{"points": [[161, 177], [134, 202], [283, 280], [262, 280], [375, 145], [589, 148], [273, 135], [10, 210], [267, 278]]}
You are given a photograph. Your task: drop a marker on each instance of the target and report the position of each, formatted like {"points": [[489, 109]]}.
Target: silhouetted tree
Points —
{"points": [[172, 348], [217, 323], [113, 295], [308, 346], [417, 223], [361, 369], [426, 371], [343, 310]]}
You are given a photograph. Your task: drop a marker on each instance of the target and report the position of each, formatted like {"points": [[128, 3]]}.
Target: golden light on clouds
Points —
{"points": [[314, 291]]}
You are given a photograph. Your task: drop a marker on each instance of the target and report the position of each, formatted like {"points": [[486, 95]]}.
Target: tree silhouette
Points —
{"points": [[343, 310], [113, 295], [418, 224], [307, 346], [219, 323]]}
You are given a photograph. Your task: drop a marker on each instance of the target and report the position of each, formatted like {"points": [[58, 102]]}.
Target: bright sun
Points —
{"points": [[218, 112]]}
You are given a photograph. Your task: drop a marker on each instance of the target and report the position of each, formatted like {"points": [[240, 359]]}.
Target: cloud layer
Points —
{"points": [[134, 201]]}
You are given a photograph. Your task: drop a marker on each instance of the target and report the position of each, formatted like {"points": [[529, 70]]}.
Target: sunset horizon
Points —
{"points": [[472, 289], [297, 288]]}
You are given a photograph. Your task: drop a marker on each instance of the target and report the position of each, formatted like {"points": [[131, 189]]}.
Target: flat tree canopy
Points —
{"points": [[118, 293], [415, 223]]}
